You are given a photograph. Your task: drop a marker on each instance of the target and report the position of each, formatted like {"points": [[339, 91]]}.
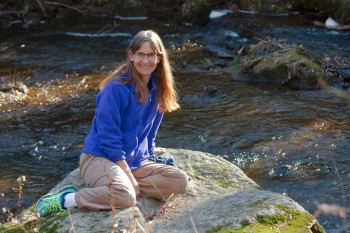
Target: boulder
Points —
{"points": [[273, 61], [219, 198]]}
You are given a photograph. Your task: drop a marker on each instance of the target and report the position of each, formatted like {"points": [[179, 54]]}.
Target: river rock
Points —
{"points": [[210, 95], [287, 66], [345, 73], [219, 196], [219, 52]]}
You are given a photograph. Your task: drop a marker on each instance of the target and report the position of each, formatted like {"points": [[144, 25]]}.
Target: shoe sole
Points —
{"points": [[58, 191]]}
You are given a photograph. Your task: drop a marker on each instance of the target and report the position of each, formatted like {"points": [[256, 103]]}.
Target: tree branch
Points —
{"points": [[42, 7], [61, 4]]}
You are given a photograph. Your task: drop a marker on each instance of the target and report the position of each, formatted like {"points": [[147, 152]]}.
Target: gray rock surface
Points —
{"points": [[219, 195]]}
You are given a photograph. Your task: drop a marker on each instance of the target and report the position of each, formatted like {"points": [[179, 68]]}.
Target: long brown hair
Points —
{"points": [[166, 93]]}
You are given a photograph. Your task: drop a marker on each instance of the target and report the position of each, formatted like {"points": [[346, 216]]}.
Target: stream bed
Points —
{"points": [[294, 142]]}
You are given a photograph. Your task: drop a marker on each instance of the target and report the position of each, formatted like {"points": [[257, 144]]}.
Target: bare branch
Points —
{"points": [[65, 5], [42, 7]]}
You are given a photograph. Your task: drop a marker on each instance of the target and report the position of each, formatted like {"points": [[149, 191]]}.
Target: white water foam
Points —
{"points": [[131, 18]]}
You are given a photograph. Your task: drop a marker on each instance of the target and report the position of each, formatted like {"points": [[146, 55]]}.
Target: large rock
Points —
{"points": [[219, 198], [273, 62]]}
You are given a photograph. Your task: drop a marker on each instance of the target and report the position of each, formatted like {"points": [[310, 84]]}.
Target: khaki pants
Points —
{"points": [[109, 187]]}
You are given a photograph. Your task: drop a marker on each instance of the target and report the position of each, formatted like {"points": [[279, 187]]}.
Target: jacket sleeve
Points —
{"points": [[109, 109], [153, 132]]}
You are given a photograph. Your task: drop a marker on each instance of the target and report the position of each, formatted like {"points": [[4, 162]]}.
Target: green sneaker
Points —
{"points": [[53, 202]]}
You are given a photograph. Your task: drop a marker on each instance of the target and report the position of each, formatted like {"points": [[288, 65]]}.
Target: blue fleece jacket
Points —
{"points": [[124, 129]]}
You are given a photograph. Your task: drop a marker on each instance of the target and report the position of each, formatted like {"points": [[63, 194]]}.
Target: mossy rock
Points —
{"points": [[26, 221], [287, 66], [219, 198], [286, 222]]}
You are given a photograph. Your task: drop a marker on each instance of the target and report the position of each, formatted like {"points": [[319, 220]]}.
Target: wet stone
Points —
{"points": [[10, 94], [345, 73]]}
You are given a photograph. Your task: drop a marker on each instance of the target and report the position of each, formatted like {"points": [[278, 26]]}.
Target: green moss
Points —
{"points": [[291, 221], [280, 10], [18, 228], [51, 223], [12, 230], [245, 223], [224, 181], [217, 172], [221, 179], [24, 225], [249, 64], [273, 219], [236, 63], [283, 64], [51, 229], [220, 229]]}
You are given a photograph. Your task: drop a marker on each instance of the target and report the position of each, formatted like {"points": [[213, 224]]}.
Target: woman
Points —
{"points": [[115, 158]]}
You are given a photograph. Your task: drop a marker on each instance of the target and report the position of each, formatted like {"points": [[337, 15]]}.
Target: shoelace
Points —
{"points": [[55, 207]]}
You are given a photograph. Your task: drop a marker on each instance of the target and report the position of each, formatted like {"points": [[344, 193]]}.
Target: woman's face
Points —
{"points": [[145, 60]]}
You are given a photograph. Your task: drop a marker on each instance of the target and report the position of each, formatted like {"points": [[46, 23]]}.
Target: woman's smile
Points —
{"points": [[145, 60]]}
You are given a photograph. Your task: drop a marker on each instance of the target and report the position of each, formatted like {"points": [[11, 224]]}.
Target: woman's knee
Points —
{"points": [[182, 182], [178, 183], [123, 198], [129, 199]]}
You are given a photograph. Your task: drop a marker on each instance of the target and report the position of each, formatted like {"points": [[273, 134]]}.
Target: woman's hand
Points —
{"points": [[159, 150], [135, 184], [124, 166]]}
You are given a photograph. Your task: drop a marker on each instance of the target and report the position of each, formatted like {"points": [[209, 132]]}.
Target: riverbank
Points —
{"points": [[29, 13]]}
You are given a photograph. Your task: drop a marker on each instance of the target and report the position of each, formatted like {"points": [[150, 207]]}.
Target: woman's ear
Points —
{"points": [[130, 55]]}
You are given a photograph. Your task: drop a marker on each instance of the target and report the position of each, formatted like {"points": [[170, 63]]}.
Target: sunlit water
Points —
{"points": [[288, 141]]}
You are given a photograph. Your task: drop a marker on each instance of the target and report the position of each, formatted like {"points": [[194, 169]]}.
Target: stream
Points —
{"points": [[294, 142]]}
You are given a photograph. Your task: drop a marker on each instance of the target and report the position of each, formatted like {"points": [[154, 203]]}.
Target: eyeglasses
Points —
{"points": [[141, 56]]}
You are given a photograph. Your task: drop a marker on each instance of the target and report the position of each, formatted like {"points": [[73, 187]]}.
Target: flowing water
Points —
{"points": [[294, 142]]}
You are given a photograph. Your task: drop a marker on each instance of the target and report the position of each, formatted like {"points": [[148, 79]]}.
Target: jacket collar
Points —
{"points": [[152, 80]]}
